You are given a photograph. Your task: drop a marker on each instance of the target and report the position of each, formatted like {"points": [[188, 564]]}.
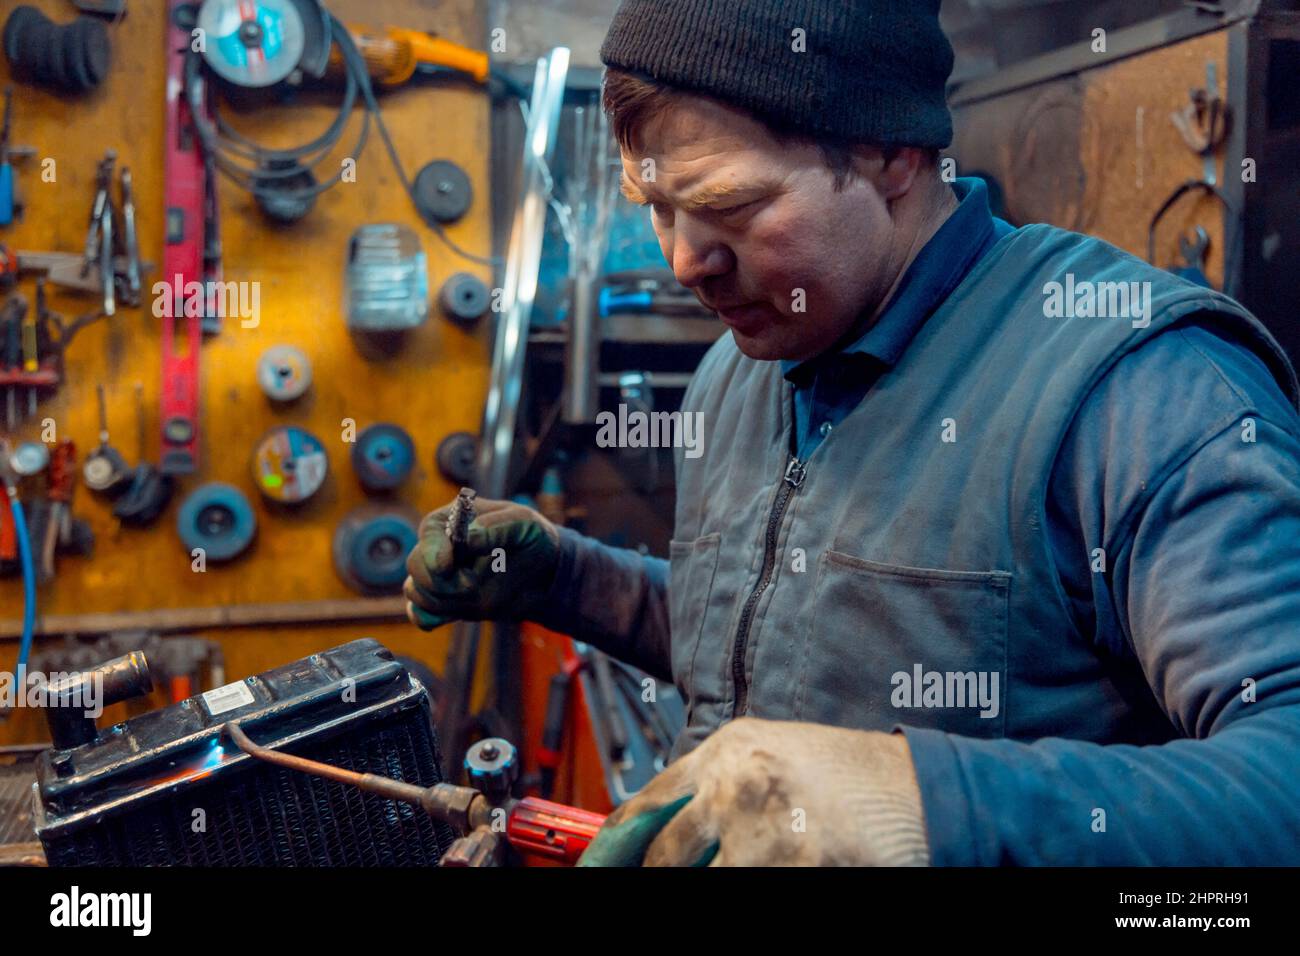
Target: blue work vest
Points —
{"points": [[902, 574]]}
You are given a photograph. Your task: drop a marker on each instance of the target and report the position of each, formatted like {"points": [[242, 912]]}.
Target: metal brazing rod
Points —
{"points": [[534, 826]]}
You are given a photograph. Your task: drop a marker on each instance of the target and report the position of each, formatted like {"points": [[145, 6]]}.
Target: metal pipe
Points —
{"points": [[589, 242], [582, 353], [120, 679], [461, 807], [523, 258]]}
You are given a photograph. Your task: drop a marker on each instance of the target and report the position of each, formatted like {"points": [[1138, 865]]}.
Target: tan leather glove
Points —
{"points": [[774, 793]]}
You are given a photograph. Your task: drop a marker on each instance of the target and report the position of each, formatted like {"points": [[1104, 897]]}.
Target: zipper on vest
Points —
{"points": [[795, 471]]}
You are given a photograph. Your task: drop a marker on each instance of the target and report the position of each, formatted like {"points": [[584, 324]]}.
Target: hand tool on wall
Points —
{"points": [[9, 204], [11, 328], [532, 826], [8, 268], [1204, 122], [105, 469], [26, 559], [62, 481], [45, 322], [1232, 227], [244, 54], [130, 241], [304, 46], [31, 352], [6, 164], [98, 251], [191, 248], [1194, 250], [146, 492], [63, 269], [393, 55]]}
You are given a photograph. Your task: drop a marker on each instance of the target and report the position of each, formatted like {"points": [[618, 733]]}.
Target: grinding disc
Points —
{"points": [[252, 43], [383, 457], [371, 545], [442, 191], [289, 464], [217, 518], [464, 297], [284, 373], [457, 458]]}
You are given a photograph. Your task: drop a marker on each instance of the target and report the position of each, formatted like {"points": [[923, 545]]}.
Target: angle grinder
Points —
{"points": [[258, 43]]}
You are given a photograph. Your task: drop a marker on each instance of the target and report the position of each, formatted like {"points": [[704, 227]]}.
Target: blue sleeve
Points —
{"points": [[613, 599], [1184, 466]]}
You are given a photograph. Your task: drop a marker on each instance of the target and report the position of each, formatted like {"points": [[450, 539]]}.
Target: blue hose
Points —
{"points": [[29, 582]]}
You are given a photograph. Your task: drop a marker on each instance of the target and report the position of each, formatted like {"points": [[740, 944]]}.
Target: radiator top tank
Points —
{"points": [[165, 788]]}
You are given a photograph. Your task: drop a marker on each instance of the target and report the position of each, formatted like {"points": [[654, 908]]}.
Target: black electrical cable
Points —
{"points": [[219, 141], [499, 81], [355, 63], [1233, 230], [512, 87]]}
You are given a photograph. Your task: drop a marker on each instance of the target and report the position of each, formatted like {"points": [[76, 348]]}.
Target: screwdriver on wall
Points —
{"points": [[6, 165], [31, 359], [14, 311], [8, 151]]}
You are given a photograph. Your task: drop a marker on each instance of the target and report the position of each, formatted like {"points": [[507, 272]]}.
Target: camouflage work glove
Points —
{"points": [[505, 568], [774, 793]]}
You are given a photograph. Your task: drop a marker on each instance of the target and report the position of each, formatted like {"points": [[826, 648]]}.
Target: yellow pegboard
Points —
{"points": [[434, 386]]}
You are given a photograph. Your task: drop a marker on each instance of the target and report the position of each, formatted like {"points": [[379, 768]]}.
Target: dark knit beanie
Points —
{"points": [[870, 71]]}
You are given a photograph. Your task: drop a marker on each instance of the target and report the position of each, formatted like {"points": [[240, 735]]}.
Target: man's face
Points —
{"points": [[755, 228]]}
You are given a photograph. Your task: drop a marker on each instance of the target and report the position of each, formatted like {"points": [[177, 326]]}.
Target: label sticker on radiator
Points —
{"points": [[227, 698]]}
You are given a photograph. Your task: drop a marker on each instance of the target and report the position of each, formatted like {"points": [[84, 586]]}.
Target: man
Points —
{"points": [[962, 576]]}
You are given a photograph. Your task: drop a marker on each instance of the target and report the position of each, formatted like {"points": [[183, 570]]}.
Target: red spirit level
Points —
{"points": [[191, 257]]}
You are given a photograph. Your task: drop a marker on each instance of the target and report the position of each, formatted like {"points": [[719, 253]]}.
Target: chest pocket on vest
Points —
{"points": [[691, 583], [892, 644]]}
